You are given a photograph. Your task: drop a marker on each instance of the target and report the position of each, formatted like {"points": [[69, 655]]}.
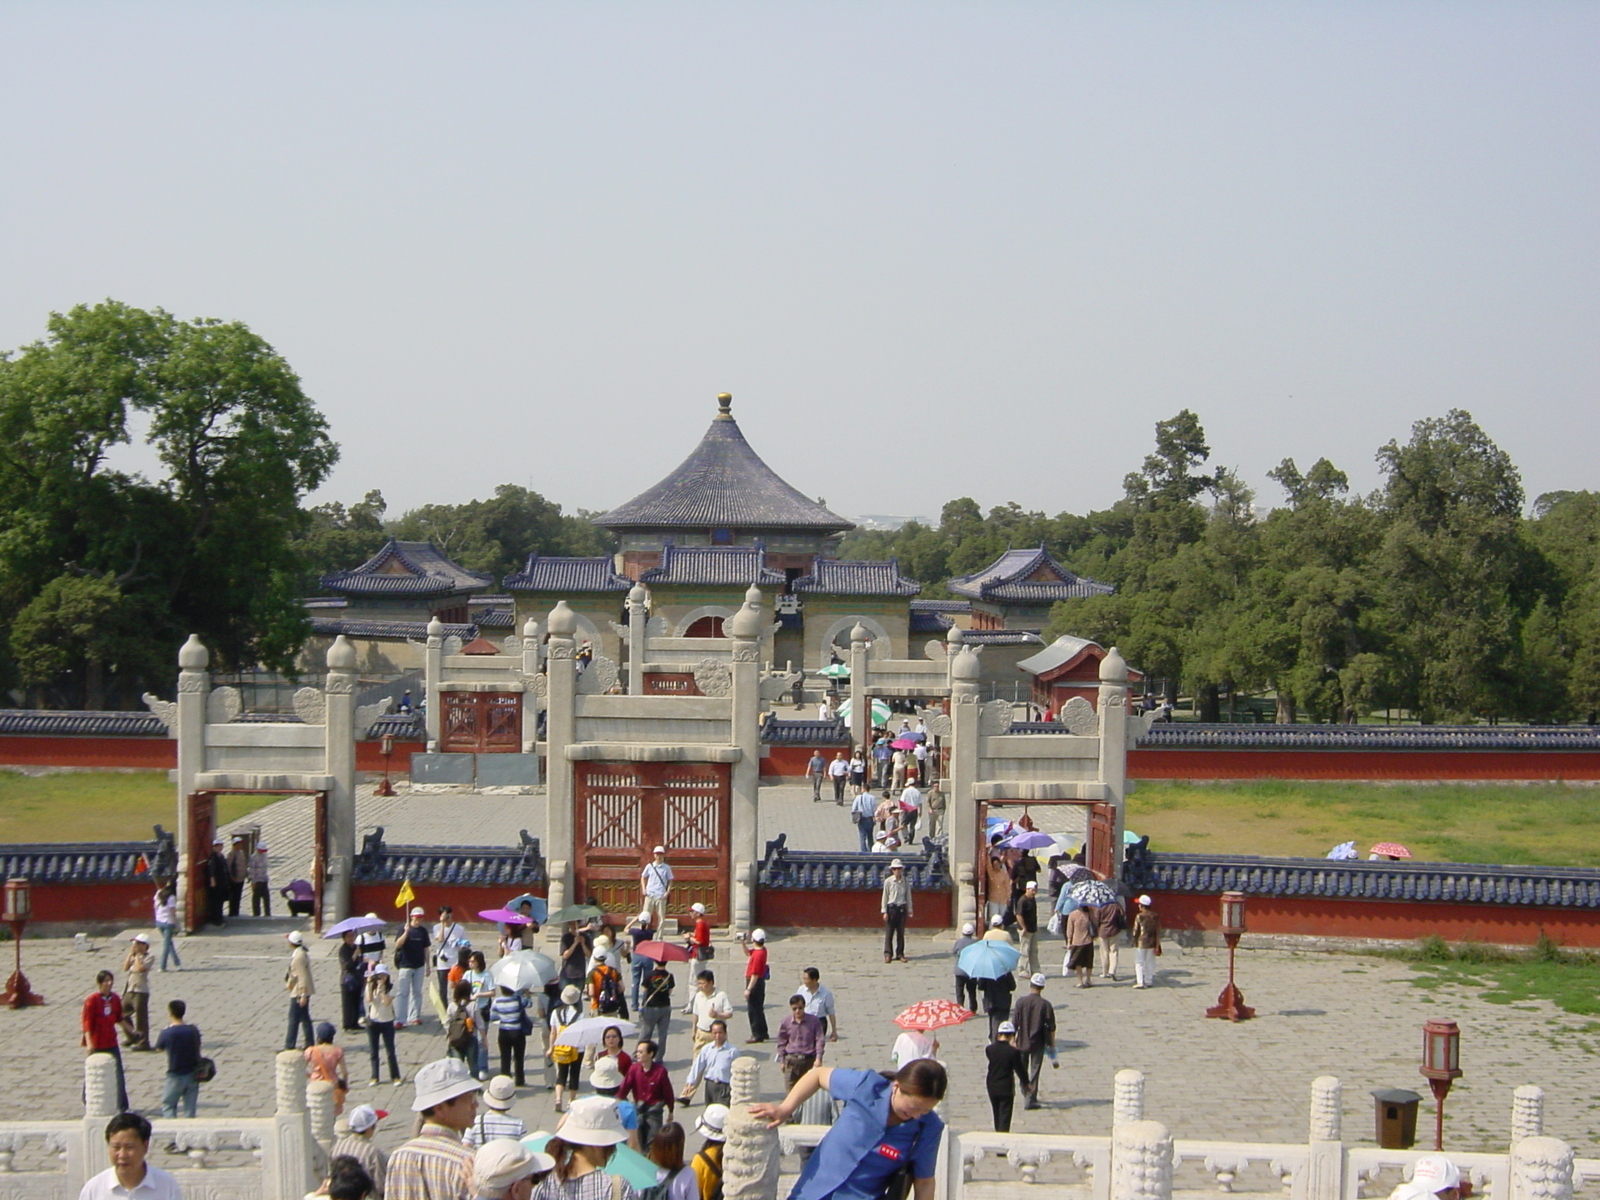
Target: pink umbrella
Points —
{"points": [[904, 743], [504, 915], [662, 952]]}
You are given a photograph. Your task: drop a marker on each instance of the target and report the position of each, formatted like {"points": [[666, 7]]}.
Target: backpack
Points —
{"points": [[610, 998], [715, 1167], [565, 1054], [458, 1033]]}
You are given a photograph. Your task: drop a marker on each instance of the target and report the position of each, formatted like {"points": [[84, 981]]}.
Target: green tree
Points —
{"points": [[79, 633], [495, 536]]}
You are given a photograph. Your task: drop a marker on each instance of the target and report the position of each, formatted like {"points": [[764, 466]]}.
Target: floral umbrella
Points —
{"points": [[1392, 849], [927, 1015], [1092, 893]]}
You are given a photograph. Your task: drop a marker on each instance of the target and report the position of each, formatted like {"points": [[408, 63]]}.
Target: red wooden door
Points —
{"points": [[1102, 829], [481, 722], [626, 809], [202, 820]]}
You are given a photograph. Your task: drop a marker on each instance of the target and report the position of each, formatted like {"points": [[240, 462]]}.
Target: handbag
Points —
{"points": [[1055, 923], [205, 1070]]}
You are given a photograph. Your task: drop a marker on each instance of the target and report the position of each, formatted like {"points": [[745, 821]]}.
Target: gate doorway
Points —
{"points": [[480, 722], [1101, 854], [626, 809], [200, 816]]}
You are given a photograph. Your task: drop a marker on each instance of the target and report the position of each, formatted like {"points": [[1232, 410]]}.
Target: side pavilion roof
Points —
{"points": [[406, 569], [1027, 576], [723, 484]]}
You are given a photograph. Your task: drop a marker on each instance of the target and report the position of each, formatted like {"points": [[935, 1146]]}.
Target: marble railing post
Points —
{"points": [[340, 733], [194, 685], [319, 1108], [1527, 1112], [637, 617], [750, 1154], [860, 699], [960, 812], [1127, 1102], [1541, 1169], [560, 731], [291, 1169], [531, 701], [1141, 1161], [433, 678], [745, 776], [289, 1083], [1113, 713], [1325, 1164], [99, 1086]]}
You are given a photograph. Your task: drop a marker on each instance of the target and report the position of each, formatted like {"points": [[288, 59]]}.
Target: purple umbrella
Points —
{"points": [[504, 915], [1028, 839]]}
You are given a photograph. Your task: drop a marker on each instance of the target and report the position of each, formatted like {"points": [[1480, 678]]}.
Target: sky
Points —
{"points": [[932, 249]]}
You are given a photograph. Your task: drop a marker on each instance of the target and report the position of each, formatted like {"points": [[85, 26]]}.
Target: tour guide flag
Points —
{"points": [[406, 895]]}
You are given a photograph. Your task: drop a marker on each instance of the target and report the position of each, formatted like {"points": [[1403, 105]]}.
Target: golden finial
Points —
{"points": [[724, 404]]}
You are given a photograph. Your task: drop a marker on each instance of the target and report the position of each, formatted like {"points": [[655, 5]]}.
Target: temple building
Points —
{"points": [[1017, 590]]}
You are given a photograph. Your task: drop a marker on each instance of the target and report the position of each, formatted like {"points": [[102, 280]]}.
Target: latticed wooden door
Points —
{"points": [[480, 722], [626, 809]]}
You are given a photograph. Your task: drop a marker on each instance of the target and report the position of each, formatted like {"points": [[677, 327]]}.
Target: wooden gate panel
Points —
{"points": [[202, 821], [1102, 827], [480, 722]]}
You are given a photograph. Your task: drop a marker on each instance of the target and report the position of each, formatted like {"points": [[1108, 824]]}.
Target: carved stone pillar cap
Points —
{"points": [[965, 665], [1113, 667], [637, 594], [954, 635], [860, 633], [193, 656], [341, 655], [563, 622], [746, 622], [436, 628], [530, 628]]}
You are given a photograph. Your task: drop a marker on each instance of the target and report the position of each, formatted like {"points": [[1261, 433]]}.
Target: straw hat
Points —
{"points": [[500, 1093], [593, 1121]]}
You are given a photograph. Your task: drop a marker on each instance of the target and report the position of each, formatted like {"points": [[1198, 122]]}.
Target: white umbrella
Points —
{"points": [[591, 1031], [519, 974], [880, 711]]}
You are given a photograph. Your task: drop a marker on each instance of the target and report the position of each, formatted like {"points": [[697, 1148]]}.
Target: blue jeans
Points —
{"points": [[168, 950], [299, 1015], [408, 995], [641, 967], [180, 1087], [864, 828]]}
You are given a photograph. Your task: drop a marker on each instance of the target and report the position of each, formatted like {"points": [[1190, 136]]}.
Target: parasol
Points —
{"points": [[520, 974], [503, 915], [1076, 872], [904, 743], [591, 1031], [926, 1015], [880, 711], [1028, 839], [575, 912], [835, 671], [540, 907], [1130, 838], [355, 925], [663, 952], [1092, 893], [625, 1162], [988, 959], [1391, 849]]}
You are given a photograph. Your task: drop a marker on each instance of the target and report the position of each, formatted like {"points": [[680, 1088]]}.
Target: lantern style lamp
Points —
{"points": [[18, 908], [1441, 1064], [385, 788], [1230, 1004]]}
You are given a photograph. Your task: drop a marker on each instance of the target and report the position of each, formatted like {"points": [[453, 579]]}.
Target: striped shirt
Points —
{"points": [[490, 1124], [434, 1165], [354, 1145]]}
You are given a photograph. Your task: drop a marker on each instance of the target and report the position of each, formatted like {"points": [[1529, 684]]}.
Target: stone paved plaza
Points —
{"points": [[1352, 1016]]}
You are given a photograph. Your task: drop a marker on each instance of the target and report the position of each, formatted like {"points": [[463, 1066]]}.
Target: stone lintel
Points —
{"points": [[1039, 789], [635, 752]]}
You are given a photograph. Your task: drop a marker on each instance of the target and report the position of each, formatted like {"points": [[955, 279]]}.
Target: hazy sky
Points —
{"points": [[933, 249]]}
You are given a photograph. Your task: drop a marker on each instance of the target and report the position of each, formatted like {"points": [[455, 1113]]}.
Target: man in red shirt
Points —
{"points": [[755, 984], [102, 1019], [646, 1083]]}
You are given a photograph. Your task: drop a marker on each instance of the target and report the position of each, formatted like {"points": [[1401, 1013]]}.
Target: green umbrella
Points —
{"points": [[880, 711], [835, 671], [575, 912], [626, 1163]]}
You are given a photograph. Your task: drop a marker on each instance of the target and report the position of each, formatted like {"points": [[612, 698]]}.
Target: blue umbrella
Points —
{"points": [[540, 908], [986, 959]]}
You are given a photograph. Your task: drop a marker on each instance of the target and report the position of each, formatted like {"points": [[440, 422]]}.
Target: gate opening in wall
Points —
{"points": [[1091, 821], [200, 816]]}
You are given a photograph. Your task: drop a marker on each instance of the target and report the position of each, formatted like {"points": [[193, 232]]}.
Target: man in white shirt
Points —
{"points": [[708, 1005], [839, 772], [819, 1001], [713, 1066], [910, 814], [127, 1144], [655, 882]]}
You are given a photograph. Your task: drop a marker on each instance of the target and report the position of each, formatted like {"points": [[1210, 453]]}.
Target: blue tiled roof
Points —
{"points": [[40, 722], [495, 618], [804, 733], [741, 565], [402, 727], [1001, 637], [723, 484], [418, 630], [930, 622], [90, 862], [849, 871], [1187, 735], [1007, 578], [834, 577], [425, 571], [1451, 883], [551, 574], [941, 606], [499, 866]]}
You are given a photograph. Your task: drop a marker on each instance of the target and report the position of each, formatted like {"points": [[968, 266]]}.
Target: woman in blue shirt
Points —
{"points": [[887, 1123]]}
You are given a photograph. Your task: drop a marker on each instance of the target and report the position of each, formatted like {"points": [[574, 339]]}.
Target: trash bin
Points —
{"points": [[1396, 1117]]}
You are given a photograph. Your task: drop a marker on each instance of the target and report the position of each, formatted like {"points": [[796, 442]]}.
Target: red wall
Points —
{"points": [[369, 757], [1363, 764], [154, 753], [789, 762], [123, 904], [1402, 920], [805, 909]]}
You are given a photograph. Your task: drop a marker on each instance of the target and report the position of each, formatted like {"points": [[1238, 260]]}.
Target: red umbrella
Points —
{"points": [[927, 1015], [662, 951], [1392, 849]]}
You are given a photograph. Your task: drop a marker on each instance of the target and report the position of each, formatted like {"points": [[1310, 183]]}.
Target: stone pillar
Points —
{"points": [[1141, 1161], [289, 1083], [1113, 713], [638, 614], [532, 702], [749, 1158], [745, 733], [433, 678], [560, 730], [1325, 1164], [99, 1086], [961, 810], [953, 640], [744, 1081], [1127, 1102], [340, 732], [1527, 1112], [194, 685], [1541, 1169], [319, 1107], [860, 700], [291, 1171]]}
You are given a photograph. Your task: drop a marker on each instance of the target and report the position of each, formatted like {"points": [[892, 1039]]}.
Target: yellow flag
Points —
{"points": [[406, 895]]}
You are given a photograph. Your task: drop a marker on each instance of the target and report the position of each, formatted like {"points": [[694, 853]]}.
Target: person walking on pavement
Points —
{"points": [[910, 813], [862, 810], [997, 1000], [881, 753], [966, 985], [436, 1164], [895, 905], [1109, 922], [819, 1001], [647, 1084], [706, 1006], [238, 873], [655, 1006], [136, 991], [800, 1041], [380, 1021], [1028, 927], [756, 973], [816, 769], [297, 982], [166, 919], [352, 979], [713, 1066], [1146, 938], [260, 882], [1034, 1019], [102, 1019], [839, 773], [181, 1042], [1007, 1068], [655, 884], [1079, 935], [411, 965], [448, 938], [643, 929], [216, 884]]}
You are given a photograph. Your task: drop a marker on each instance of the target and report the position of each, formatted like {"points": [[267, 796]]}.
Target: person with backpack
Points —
{"points": [[707, 1162], [606, 996], [567, 1059], [655, 1009], [680, 1181], [461, 1026], [510, 1011], [448, 938]]}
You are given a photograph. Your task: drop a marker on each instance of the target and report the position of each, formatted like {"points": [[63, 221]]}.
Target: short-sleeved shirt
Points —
{"points": [[182, 1044], [156, 1185], [413, 948], [101, 1016], [862, 1150], [434, 1165]]}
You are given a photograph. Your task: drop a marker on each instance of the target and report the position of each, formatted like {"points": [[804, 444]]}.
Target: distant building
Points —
{"points": [[1017, 590]]}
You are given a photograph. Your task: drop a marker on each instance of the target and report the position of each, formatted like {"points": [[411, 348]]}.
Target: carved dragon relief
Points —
{"points": [[366, 714], [776, 687], [995, 717], [598, 678], [311, 706], [166, 711]]}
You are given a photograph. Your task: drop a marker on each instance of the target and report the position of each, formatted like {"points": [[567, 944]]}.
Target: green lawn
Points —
{"points": [[1535, 824], [97, 806], [1569, 979]]}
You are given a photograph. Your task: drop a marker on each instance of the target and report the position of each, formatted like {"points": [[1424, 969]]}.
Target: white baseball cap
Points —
{"points": [[968, 929], [644, 916], [139, 937], [296, 938], [1146, 901], [996, 921], [363, 1117], [1031, 885], [1006, 1027], [897, 864], [1038, 979], [659, 850], [500, 1162], [697, 908], [419, 911], [1435, 1173], [441, 1080], [758, 935]]}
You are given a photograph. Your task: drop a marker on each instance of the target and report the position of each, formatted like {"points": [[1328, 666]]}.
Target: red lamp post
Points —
{"points": [[1230, 1004], [18, 908], [1441, 1064], [385, 788]]}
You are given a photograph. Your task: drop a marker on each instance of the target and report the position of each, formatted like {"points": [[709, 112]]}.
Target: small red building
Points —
{"points": [[1068, 667]]}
